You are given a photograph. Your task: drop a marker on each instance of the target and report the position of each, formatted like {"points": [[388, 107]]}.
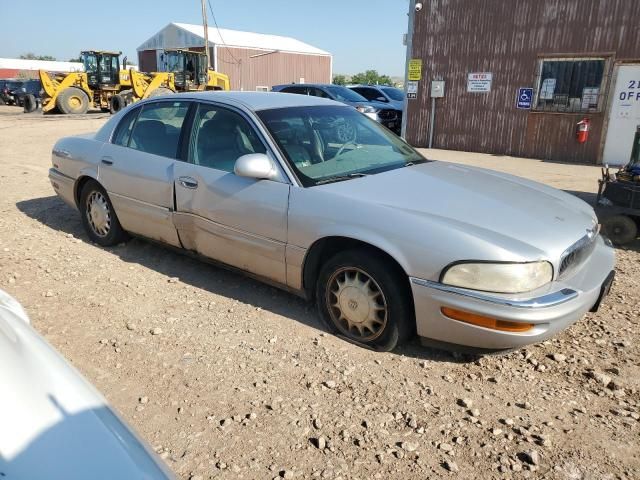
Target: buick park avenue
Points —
{"points": [[315, 197]]}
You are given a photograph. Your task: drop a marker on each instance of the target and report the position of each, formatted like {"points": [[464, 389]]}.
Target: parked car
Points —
{"points": [[55, 424], [6, 92], [27, 91], [312, 196], [381, 93], [380, 112]]}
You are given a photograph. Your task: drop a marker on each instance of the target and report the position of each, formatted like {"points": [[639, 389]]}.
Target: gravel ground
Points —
{"points": [[228, 378]]}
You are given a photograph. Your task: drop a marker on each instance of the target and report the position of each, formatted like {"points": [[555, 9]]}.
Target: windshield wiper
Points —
{"points": [[415, 162], [340, 178]]}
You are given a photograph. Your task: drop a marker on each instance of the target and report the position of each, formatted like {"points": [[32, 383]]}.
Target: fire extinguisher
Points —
{"points": [[582, 130]]}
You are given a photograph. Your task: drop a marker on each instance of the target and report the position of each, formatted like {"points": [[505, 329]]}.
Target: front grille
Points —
{"points": [[387, 115], [577, 253]]}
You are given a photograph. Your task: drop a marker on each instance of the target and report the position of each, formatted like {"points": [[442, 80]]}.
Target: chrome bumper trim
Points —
{"points": [[548, 300]]}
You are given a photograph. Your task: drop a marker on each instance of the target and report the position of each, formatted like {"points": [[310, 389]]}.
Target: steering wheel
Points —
{"points": [[344, 145]]}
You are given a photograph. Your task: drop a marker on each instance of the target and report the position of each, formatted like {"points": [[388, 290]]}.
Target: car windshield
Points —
{"points": [[393, 93], [333, 143], [343, 94]]}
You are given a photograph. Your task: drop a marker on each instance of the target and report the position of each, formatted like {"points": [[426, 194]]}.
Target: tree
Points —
{"points": [[33, 56], [371, 77], [339, 80], [77, 60]]}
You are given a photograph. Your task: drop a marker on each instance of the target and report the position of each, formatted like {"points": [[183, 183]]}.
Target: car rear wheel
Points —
{"points": [[365, 299], [620, 229], [98, 216], [72, 101]]}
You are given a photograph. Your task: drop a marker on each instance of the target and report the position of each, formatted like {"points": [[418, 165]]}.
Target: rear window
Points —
{"points": [[157, 129]]}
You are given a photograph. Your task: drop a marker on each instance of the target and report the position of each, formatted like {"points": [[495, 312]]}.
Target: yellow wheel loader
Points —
{"points": [[182, 71], [105, 86], [76, 92]]}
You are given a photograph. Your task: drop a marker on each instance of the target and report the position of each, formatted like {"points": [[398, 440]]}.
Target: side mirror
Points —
{"points": [[381, 99], [255, 165]]}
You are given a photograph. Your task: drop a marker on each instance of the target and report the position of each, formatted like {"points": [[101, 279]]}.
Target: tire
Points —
{"points": [[72, 101], [98, 216], [371, 284], [117, 103], [30, 103], [620, 229], [160, 91]]}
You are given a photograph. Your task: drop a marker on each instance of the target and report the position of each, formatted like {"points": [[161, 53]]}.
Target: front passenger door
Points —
{"points": [[236, 220]]}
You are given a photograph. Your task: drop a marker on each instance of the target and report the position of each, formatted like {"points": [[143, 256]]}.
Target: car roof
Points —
{"points": [[262, 100]]}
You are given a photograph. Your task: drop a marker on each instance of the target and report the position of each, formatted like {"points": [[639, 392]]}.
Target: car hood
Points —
{"points": [[499, 208], [379, 105], [54, 423]]}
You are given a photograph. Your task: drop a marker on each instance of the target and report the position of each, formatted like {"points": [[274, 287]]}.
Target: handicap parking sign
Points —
{"points": [[525, 98]]}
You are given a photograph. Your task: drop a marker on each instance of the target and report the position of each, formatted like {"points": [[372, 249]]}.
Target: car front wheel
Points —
{"points": [[365, 299], [98, 216]]}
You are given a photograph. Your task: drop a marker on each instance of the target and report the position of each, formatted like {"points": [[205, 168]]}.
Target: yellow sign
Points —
{"points": [[415, 69]]}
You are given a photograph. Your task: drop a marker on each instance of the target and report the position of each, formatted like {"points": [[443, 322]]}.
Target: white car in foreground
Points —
{"points": [[54, 425]]}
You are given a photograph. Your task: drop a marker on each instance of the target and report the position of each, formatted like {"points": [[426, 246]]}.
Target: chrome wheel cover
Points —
{"points": [[356, 304], [98, 214]]}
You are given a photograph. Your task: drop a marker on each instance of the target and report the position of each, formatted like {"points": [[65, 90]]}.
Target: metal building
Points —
{"points": [[18, 67], [253, 61], [518, 76]]}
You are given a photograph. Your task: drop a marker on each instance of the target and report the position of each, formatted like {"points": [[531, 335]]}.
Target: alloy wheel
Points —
{"points": [[357, 304], [98, 214]]}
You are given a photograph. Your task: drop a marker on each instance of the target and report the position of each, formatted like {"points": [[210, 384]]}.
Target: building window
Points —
{"points": [[571, 85], [262, 89]]}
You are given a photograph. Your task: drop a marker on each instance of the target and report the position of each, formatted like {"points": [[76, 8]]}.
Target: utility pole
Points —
{"points": [[411, 14], [206, 32]]}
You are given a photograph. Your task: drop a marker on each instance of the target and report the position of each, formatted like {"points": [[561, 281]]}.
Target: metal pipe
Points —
{"points": [[432, 122]]}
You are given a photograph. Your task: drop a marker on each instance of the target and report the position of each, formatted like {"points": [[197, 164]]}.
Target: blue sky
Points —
{"points": [[361, 34]]}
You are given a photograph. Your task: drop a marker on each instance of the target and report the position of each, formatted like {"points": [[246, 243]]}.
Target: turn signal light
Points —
{"points": [[486, 322]]}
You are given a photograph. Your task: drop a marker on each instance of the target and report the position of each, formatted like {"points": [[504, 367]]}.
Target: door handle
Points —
{"points": [[188, 182], [107, 160]]}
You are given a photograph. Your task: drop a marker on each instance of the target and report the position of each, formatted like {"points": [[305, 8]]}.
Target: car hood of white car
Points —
{"points": [[488, 204], [53, 423]]}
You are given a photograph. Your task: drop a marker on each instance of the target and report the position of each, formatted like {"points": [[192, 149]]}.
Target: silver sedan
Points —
{"points": [[313, 196]]}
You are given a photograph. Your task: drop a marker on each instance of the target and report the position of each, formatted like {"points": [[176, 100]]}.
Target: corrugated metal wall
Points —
{"points": [[247, 73], [507, 38]]}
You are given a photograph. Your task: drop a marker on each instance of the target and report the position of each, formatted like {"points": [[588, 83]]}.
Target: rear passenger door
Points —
{"points": [[136, 168]]}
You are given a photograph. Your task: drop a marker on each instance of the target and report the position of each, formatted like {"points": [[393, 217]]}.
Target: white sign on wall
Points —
{"points": [[479, 82], [548, 89]]}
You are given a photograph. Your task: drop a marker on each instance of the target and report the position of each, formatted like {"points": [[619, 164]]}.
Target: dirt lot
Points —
{"points": [[240, 380]]}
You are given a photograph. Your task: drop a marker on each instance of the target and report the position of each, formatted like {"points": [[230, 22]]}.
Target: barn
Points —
{"points": [[253, 61]]}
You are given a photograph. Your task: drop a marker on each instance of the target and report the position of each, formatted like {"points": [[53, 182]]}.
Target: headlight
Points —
{"points": [[364, 109], [499, 277]]}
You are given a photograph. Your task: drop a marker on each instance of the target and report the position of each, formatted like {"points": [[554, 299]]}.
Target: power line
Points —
{"points": [[215, 22]]}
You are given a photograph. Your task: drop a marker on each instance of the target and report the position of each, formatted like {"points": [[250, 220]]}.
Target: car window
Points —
{"points": [[317, 92], [298, 90], [124, 128], [368, 93], [219, 137], [157, 129], [394, 93]]}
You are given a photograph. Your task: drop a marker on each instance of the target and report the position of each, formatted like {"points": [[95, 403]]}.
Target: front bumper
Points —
{"points": [[551, 309]]}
